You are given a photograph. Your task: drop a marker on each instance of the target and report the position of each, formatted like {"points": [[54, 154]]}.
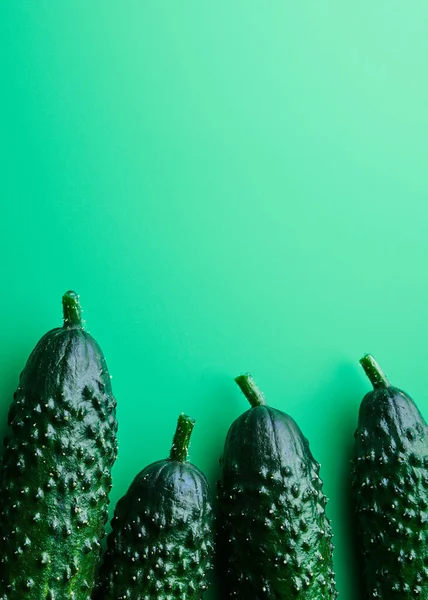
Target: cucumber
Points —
{"points": [[161, 544], [390, 491], [56, 467], [274, 536]]}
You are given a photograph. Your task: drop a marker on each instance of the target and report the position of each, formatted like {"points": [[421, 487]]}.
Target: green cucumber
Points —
{"points": [[390, 491], [161, 544], [56, 467], [274, 536]]}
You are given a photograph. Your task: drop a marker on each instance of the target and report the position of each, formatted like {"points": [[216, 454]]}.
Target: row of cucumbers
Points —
{"points": [[273, 539]]}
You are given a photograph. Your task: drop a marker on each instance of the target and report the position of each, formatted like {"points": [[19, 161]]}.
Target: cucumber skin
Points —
{"points": [[56, 470], [161, 543], [390, 493], [274, 536]]}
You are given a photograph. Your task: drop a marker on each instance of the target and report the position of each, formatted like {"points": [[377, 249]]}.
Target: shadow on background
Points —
{"points": [[356, 556], [222, 403], [351, 530], [10, 370], [347, 390]]}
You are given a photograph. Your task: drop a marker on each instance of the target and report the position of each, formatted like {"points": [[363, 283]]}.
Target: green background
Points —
{"points": [[230, 186]]}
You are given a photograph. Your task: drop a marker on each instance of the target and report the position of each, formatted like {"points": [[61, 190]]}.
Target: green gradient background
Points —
{"points": [[230, 186]]}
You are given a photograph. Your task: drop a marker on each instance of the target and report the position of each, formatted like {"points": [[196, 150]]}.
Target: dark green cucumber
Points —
{"points": [[161, 544], [274, 536], [56, 467], [390, 491]]}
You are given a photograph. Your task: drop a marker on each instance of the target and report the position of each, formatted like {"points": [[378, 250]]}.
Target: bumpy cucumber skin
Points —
{"points": [[390, 491], [274, 536], [161, 544], [56, 470]]}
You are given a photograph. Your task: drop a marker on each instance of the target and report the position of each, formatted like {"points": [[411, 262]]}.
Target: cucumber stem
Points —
{"points": [[72, 310], [180, 443], [374, 372], [249, 387]]}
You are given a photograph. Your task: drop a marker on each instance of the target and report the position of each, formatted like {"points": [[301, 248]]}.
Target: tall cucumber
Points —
{"points": [[161, 544], [56, 467], [390, 491], [275, 538]]}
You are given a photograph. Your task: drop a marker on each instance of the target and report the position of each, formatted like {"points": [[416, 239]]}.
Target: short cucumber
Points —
{"points": [[390, 491], [161, 544], [56, 467], [275, 538]]}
